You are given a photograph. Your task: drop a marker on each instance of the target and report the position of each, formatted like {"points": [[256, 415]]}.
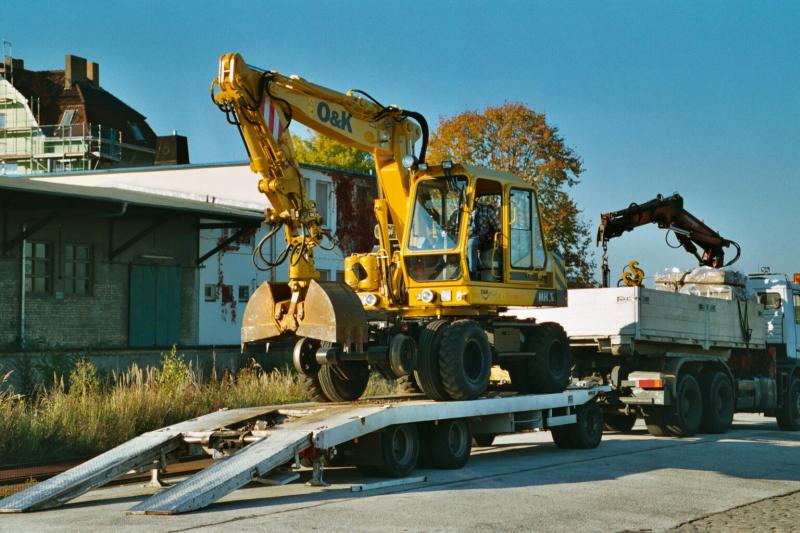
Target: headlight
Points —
{"points": [[426, 296], [370, 300]]}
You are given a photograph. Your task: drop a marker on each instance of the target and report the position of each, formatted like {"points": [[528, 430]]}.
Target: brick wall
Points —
{"points": [[99, 319]]}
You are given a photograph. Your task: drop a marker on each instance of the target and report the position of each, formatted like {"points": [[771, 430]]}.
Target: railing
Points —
{"points": [[71, 141]]}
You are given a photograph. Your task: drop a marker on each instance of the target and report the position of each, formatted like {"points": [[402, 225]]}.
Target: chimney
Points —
{"points": [[93, 73], [74, 70], [172, 150]]}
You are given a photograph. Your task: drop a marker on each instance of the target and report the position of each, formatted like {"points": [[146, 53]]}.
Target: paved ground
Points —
{"points": [[630, 483]]}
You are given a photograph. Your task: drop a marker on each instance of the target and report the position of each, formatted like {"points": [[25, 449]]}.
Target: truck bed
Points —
{"points": [[615, 319]]}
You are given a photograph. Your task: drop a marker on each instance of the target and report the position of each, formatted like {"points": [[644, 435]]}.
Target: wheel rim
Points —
{"points": [[402, 447], [473, 360], [457, 439]]}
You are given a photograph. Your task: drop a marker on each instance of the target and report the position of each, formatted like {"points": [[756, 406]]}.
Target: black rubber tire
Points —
{"points": [[618, 422], [449, 444], [548, 370], [400, 446], [788, 416], [337, 389], [484, 439], [562, 436], [683, 418], [718, 402], [312, 389], [408, 385], [588, 431], [427, 373], [465, 360]]}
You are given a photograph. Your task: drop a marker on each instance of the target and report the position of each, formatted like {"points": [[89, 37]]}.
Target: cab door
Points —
{"points": [[526, 251]]}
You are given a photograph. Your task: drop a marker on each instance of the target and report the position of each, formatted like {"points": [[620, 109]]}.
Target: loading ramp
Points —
{"points": [[257, 441]]}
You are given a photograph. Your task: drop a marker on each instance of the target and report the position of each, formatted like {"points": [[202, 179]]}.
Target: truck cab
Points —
{"points": [[780, 296]]}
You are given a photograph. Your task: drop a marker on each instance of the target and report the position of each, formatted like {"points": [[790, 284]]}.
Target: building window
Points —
{"points": [[67, 117], [210, 292], [322, 191], [38, 267], [2, 120], [137, 132], [77, 269], [323, 275], [796, 302], [244, 293]]}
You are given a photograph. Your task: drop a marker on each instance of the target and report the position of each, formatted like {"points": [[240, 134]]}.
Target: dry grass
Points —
{"points": [[84, 415]]}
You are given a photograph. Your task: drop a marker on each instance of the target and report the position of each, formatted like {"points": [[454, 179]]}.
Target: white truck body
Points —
{"points": [[616, 320]]}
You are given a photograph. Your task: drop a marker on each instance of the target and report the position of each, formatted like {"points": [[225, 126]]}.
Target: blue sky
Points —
{"points": [[702, 98]]}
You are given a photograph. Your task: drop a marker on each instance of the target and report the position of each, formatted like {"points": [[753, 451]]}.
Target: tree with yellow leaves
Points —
{"points": [[515, 138]]}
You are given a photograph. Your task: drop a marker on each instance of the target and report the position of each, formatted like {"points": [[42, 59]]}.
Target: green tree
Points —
{"points": [[324, 151], [515, 138]]}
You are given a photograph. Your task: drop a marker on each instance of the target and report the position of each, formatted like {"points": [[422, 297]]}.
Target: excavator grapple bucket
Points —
{"points": [[330, 311]]}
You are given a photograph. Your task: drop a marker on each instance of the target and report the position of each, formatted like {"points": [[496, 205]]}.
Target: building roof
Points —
{"points": [[91, 105], [130, 197]]}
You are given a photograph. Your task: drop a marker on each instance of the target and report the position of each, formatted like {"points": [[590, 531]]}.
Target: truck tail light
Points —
{"points": [[650, 383]]}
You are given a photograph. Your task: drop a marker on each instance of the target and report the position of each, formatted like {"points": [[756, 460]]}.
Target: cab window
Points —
{"points": [[527, 246]]}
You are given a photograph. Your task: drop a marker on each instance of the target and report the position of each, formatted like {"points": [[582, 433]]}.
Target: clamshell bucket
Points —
{"points": [[330, 311]]}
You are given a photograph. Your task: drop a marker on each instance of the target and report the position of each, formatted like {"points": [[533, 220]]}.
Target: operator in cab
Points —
{"points": [[484, 223]]}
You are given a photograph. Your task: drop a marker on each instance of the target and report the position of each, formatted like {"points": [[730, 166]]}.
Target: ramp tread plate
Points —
{"points": [[226, 475], [115, 462]]}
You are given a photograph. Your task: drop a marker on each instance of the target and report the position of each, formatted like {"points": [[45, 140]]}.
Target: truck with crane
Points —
{"points": [[688, 354]]}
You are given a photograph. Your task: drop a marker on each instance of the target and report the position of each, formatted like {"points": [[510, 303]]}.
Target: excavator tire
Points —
{"points": [[312, 388], [548, 370], [427, 373], [465, 360], [408, 384], [337, 389]]}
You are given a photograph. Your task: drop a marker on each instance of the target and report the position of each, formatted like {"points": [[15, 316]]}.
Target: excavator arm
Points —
{"points": [[667, 213], [262, 104]]}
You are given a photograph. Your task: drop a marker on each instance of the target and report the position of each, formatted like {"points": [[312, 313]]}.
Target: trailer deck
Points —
{"points": [[263, 439]]}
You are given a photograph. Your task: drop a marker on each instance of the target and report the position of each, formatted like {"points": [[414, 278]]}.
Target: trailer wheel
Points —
{"points": [[562, 437], [788, 416], [408, 384], [345, 383], [586, 433], [548, 370], [484, 439], [718, 402], [427, 373], [399, 449], [449, 444], [618, 422], [465, 360]]}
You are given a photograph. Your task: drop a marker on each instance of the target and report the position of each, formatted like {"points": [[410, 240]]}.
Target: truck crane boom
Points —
{"points": [[667, 213]]}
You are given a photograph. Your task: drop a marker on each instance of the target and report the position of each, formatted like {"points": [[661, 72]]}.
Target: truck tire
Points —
{"points": [[427, 373], [399, 449], [788, 416], [338, 389], [718, 402], [618, 422], [449, 444], [465, 360], [408, 384], [484, 439], [548, 370], [683, 418]]}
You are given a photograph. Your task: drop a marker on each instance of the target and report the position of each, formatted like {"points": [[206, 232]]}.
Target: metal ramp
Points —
{"points": [[137, 454]]}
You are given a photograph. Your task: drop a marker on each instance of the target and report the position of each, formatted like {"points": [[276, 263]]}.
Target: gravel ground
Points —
{"points": [[781, 513]]}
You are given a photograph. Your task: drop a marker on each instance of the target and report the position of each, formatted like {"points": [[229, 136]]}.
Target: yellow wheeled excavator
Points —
{"points": [[456, 245]]}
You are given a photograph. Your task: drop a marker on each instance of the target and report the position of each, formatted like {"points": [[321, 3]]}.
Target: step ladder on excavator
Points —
{"points": [[252, 443]]}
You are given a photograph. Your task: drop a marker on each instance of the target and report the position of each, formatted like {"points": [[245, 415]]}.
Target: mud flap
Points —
{"points": [[330, 311]]}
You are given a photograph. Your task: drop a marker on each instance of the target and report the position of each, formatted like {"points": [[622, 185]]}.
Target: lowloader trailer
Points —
{"points": [[388, 437], [686, 362]]}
